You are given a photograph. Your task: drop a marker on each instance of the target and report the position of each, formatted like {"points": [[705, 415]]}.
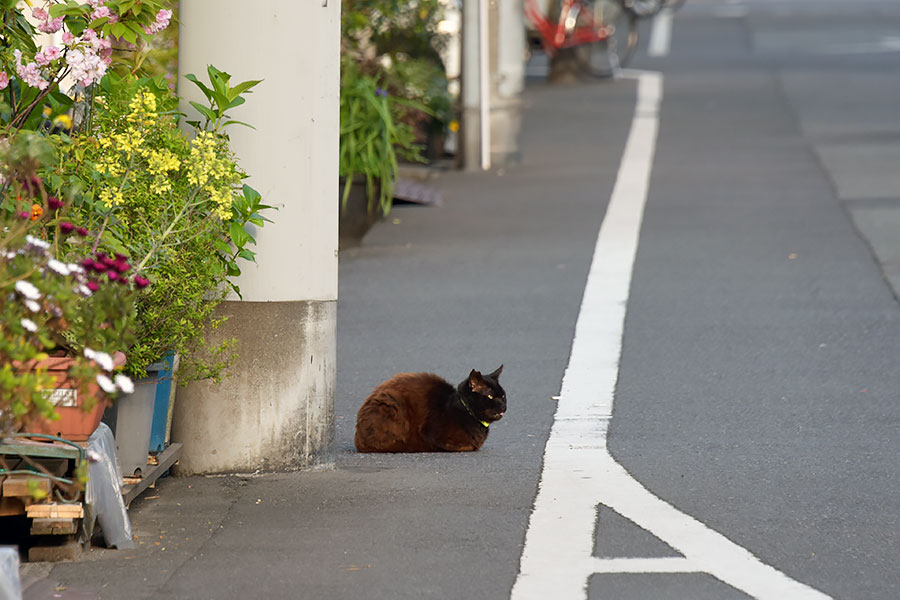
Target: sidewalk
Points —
{"points": [[492, 276]]}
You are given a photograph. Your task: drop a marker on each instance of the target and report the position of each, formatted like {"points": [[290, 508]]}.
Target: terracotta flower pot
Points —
{"points": [[75, 423]]}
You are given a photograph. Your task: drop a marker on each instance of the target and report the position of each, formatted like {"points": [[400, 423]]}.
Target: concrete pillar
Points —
{"points": [[506, 81], [470, 133], [276, 410]]}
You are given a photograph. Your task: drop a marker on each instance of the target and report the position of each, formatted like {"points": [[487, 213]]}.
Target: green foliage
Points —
{"points": [[398, 42], [371, 137], [221, 97], [175, 205]]}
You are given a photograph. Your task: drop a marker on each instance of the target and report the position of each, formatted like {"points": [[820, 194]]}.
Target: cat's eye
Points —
{"points": [[490, 397]]}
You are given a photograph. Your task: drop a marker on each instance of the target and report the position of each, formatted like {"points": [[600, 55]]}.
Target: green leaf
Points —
{"points": [[75, 25], [227, 123], [203, 110], [62, 99], [247, 255], [238, 236], [118, 30], [129, 36], [236, 102], [206, 91], [222, 247], [244, 86], [96, 24]]}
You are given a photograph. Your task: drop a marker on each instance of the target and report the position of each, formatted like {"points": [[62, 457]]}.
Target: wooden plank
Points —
{"points": [[55, 511], [53, 526], [17, 486], [165, 459], [11, 507], [25, 447]]}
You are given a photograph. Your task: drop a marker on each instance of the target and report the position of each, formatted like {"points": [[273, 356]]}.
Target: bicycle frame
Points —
{"points": [[567, 31]]}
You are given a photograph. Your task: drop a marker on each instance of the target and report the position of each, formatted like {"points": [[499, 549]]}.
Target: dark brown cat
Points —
{"points": [[421, 412]]}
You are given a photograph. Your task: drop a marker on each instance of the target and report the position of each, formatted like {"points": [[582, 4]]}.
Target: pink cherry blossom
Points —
{"points": [[100, 12], [30, 73], [162, 21], [87, 67], [51, 26], [47, 55], [40, 14], [4, 80], [68, 38]]}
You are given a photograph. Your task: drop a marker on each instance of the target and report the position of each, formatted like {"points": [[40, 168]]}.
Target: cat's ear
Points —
{"points": [[496, 373], [476, 381]]}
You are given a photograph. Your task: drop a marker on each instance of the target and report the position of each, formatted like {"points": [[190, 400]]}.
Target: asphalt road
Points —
{"points": [[757, 388]]}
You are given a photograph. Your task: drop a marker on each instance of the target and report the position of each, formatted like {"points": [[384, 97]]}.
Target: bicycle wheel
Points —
{"points": [[605, 58], [644, 8]]}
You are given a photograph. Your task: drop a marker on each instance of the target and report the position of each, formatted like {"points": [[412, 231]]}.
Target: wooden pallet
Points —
{"points": [[47, 529]]}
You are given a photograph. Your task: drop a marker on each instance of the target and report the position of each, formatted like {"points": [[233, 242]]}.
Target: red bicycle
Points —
{"points": [[602, 33]]}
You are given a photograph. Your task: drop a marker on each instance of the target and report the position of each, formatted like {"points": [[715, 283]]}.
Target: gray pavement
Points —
{"points": [[757, 389]]}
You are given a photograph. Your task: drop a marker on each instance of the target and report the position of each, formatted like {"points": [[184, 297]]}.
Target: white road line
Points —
{"points": [[579, 473], [661, 34]]}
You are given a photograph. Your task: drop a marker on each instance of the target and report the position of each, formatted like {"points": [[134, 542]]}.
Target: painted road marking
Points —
{"points": [[660, 34], [579, 473]]}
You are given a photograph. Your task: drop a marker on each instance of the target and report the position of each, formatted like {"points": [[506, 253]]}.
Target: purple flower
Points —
{"points": [[93, 286], [141, 282], [67, 227], [381, 92], [82, 231], [113, 276], [55, 203]]}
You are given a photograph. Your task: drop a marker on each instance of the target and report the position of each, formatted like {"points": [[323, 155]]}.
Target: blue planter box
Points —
{"points": [[161, 405]]}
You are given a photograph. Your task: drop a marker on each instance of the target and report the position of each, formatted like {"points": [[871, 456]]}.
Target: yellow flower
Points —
{"points": [[111, 197], [160, 162]]}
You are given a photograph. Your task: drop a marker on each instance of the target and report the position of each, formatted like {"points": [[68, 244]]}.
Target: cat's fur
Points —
{"points": [[421, 412]]}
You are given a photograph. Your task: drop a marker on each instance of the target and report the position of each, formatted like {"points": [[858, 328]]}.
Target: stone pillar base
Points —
{"points": [[274, 412]]}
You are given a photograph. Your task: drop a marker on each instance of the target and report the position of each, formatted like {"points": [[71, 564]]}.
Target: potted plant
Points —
{"points": [[62, 325], [406, 43], [372, 137]]}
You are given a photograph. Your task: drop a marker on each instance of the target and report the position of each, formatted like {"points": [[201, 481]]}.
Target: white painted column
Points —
{"points": [[275, 411], [509, 83], [504, 80]]}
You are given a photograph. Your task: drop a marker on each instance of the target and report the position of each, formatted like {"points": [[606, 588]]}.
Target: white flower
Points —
{"points": [[89, 354], [94, 456], [29, 325], [84, 290], [104, 360], [58, 267], [32, 305], [27, 289], [33, 241], [106, 383], [125, 384], [75, 268]]}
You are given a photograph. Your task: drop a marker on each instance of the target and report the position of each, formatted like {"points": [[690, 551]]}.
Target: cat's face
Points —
{"points": [[486, 397]]}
